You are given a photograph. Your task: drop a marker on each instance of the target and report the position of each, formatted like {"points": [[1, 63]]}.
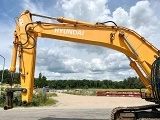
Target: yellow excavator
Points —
{"points": [[143, 56]]}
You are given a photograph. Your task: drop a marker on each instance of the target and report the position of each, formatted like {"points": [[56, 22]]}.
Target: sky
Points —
{"points": [[66, 60]]}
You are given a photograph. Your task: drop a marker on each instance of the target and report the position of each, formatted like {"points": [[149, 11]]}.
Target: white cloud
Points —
{"points": [[57, 61], [89, 10], [6, 38], [97, 65], [140, 14], [121, 17], [142, 18], [64, 66]]}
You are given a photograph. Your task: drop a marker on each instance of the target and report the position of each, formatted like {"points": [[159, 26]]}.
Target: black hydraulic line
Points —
{"points": [[26, 32], [108, 22], [28, 35]]}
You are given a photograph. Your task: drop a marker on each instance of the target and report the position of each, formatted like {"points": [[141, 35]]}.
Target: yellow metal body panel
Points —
{"points": [[80, 32]]}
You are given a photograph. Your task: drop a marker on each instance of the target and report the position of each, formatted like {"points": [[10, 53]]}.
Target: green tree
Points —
{"points": [[86, 87], [41, 81]]}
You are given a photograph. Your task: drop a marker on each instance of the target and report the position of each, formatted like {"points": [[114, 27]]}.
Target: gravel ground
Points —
{"points": [[72, 107], [96, 102]]}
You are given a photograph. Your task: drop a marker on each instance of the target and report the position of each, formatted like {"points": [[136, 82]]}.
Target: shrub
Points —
{"points": [[40, 98], [2, 100]]}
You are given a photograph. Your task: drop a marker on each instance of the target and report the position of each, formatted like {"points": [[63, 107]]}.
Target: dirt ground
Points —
{"points": [[67, 101]]}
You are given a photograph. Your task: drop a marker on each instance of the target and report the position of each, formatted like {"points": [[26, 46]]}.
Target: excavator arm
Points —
{"points": [[139, 51]]}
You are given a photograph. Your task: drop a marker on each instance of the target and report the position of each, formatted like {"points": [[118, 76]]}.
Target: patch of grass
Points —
{"points": [[50, 101], [51, 94], [120, 90]]}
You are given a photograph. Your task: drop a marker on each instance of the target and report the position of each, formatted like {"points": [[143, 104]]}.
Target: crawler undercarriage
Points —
{"points": [[147, 112]]}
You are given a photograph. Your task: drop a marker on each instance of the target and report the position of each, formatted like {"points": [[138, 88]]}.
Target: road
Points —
{"points": [[46, 113]]}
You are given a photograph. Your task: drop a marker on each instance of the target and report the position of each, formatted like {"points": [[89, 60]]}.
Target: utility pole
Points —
{"points": [[2, 73]]}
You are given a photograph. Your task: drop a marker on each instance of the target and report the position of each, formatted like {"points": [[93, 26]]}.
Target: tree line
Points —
{"points": [[41, 81], [129, 83]]}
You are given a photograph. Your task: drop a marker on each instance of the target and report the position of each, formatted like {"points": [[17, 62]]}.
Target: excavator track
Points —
{"points": [[146, 112]]}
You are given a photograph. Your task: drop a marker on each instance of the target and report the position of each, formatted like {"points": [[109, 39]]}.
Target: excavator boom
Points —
{"points": [[139, 51]]}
